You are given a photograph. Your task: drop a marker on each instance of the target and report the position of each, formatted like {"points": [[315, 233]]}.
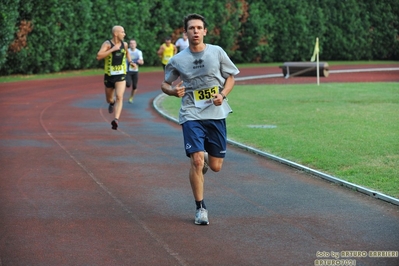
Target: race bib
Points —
{"points": [[132, 68], [204, 97], [117, 70]]}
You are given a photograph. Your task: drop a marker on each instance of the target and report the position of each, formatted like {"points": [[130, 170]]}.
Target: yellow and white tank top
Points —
{"points": [[168, 53], [115, 62]]}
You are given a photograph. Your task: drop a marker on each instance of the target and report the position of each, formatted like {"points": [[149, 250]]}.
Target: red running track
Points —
{"points": [[75, 192]]}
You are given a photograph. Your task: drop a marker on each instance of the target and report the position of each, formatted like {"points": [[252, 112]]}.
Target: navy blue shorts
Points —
{"points": [[109, 81], [205, 135]]}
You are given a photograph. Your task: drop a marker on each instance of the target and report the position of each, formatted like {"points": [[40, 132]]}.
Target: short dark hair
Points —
{"points": [[191, 17]]}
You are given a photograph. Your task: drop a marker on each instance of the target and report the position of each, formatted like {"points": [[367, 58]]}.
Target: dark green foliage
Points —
{"points": [[8, 20], [349, 24], [56, 35], [383, 34]]}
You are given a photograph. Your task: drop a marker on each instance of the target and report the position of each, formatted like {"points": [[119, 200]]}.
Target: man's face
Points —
{"points": [[120, 33], [132, 45], [195, 31]]}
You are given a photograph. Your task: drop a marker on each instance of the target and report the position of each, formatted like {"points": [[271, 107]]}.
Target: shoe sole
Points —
{"points": [[111, 108], [202, 223], [206, 166], [205, 169], [114, 125]]}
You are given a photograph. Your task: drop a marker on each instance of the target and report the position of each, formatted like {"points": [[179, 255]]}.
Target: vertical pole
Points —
{"points": [[318, 65]]}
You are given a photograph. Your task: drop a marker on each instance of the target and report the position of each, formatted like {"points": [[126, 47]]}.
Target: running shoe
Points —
{"points": [[131, 100], [206, 166], [114, 124], [201, 216], [111, 108]]}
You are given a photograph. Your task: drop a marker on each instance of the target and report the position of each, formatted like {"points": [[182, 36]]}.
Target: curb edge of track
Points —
{"points": [[375, 194]]}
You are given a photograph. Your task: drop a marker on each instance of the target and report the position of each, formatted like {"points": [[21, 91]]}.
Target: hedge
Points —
{"points": [[57, 35]]}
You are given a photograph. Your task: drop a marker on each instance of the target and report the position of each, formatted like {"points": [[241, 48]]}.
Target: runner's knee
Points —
{"points": [[215, 164]]}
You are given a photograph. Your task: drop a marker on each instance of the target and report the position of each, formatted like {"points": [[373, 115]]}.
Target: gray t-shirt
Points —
{"points": [[203, 74]]}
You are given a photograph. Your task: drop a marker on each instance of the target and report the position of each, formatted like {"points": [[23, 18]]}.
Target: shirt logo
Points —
{"points": [[198, 63]]}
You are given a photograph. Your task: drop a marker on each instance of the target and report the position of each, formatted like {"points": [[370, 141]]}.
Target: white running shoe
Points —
{"points": [[206, 166], [201, 216]]}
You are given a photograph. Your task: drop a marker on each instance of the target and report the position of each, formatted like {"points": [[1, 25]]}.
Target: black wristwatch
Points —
{"points": [[224, 96]]}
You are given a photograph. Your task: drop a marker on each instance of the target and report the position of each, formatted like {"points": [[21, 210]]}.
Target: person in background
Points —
{"points": [[207, 77], [114, 53], [182, 43], [166, 51], [132, 76]]}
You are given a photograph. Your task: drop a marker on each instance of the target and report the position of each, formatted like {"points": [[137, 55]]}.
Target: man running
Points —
{"points": [[114, 51]]}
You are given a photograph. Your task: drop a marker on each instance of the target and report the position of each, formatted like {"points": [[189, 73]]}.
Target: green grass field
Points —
{"points": [[348, 130]]}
